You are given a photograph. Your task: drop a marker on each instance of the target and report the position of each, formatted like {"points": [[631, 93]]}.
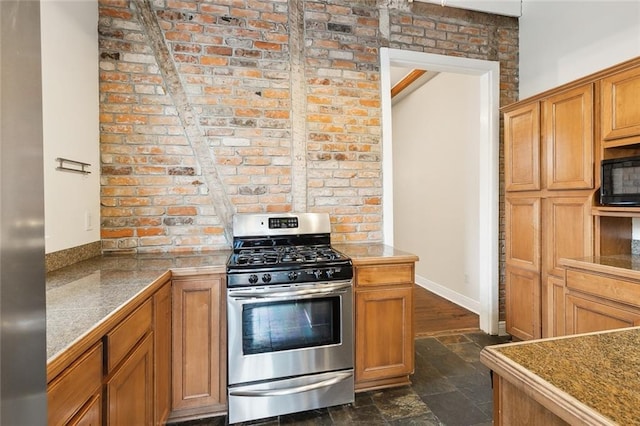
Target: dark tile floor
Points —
{"points": [[450, 387]]}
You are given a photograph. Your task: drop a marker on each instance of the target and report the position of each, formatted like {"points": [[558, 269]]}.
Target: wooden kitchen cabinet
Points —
{"points": [[384, 335], [123, 378], [199, 346], [598, 302], [522, 148], [130, 389], [551, 217], [129, 384], [522, 279], [74, 396], [567, 139], [620, 108]]}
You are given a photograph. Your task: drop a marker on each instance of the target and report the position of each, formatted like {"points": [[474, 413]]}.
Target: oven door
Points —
{"points": [[289, 330]]}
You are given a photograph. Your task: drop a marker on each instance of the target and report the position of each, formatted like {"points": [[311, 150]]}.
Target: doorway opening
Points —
{"points": [[483, 247]]}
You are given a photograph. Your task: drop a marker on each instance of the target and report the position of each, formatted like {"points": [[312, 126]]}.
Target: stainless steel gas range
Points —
{"points": [[289, 316]]}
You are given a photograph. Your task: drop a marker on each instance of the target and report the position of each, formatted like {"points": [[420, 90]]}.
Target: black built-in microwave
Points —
{"points": [[620, 182]]}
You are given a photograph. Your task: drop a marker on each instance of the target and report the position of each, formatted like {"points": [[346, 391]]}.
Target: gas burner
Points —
{"points": [[284, 250]]}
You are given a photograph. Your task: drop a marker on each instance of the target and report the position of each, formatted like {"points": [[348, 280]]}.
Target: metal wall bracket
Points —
{"points": [[76, 166]]}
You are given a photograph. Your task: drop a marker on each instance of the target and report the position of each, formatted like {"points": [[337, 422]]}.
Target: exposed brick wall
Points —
{"points": [[259, 106]]}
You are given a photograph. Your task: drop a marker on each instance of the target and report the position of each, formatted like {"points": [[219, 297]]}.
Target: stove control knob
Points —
{"points": [[317, 273], [253, 279], [329, 273], [293, 275], [266, 278]]}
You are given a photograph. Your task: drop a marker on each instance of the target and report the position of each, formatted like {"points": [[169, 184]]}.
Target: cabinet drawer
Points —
{"points": [[608, 288], [370, 276], [123, 338], [74, 387]]}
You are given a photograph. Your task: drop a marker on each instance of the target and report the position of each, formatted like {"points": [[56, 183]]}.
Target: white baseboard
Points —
{"points": [[502, 328], [457, 298]]}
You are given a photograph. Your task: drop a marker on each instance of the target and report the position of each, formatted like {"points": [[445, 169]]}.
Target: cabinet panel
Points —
{"points": [[553, 308], [384, 333], [612, 288], [384, 275], [91, 414], [522, 229], [620, 107], [130, 389], [162, 352], [523, 303], [74, 387], [584, 315], [121, 339], [522, 148], [568, 139], [568, 231], [199, 344]]}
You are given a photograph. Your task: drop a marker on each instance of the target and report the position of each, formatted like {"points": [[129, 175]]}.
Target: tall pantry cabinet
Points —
{"points": [[549, 185]]}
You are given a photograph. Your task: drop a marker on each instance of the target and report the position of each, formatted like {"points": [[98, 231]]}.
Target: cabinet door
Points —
{"points": [[522, 229], [72, 389], [522, 148], [522, 303], [199, 344], [384, 333], [585, 315], [567, 125], [620, 107], [130, 388], [568, 231], [162, 352]]}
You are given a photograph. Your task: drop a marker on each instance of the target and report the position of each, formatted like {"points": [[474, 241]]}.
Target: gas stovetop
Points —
{"points": [[284, 249]]}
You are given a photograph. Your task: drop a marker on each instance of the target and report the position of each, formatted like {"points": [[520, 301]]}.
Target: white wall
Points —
{"points": [[436, 184], [70, 121], [563, 40]]}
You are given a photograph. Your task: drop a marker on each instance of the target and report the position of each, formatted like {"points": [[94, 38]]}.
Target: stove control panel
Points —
{"points": [[256, 278], [283, 222]]}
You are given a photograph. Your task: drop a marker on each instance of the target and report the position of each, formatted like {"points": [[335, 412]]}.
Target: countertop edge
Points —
{"points": [[587, 265], [555, 400]]}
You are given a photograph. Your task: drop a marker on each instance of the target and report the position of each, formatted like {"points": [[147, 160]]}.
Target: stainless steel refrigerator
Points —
{"points": [[22, 276]]}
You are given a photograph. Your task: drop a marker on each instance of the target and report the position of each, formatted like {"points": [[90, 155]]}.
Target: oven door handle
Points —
{"points": [[294, 293], [339, 377]]}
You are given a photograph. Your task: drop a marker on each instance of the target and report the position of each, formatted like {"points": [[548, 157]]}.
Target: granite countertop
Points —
{"points": [[85, 294], [592, 377], [366, 253]]}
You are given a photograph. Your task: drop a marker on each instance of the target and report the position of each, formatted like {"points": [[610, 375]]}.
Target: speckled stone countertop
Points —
{"points": [[366, 253], [82, 295], [594, 377]]}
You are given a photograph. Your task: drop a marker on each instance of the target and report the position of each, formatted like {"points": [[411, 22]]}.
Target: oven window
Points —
{"points": [[285, 325]]}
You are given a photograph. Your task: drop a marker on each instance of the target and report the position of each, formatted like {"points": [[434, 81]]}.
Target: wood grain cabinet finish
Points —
{"points": [[523, 303], [620, 108], [597, 302], [567, 134], [522, 148], [384, 335], [550, 218], [124, 378], [73, 396], [130, 390], [199, 346], [162, 353]]}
